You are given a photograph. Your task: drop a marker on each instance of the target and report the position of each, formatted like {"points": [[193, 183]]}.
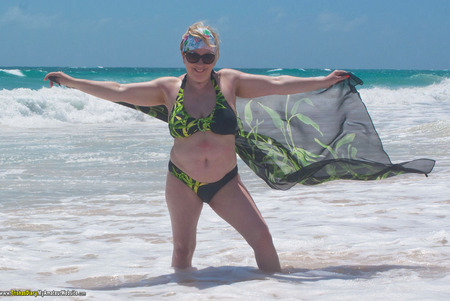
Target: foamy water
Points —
{"points": [[82, 208]]}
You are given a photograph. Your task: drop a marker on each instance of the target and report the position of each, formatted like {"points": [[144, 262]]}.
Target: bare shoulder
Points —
{"points": [[170, 86], [229, 73], [245, 85], [237, 77], [230, 77]]}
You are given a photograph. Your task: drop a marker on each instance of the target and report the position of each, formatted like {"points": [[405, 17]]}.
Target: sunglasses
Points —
{"points": [[193, 57]]}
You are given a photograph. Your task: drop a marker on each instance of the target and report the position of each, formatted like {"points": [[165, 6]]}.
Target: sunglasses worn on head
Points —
{"points": [[193, 57]]}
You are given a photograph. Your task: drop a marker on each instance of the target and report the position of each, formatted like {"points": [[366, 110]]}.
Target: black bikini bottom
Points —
{"points": [[205, 191]]}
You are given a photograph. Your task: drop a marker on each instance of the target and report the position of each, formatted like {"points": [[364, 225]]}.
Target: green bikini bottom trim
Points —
{"points": [[205, 191]]}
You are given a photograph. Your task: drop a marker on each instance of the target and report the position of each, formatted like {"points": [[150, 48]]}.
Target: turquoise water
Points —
{"points": [[27, 77]]}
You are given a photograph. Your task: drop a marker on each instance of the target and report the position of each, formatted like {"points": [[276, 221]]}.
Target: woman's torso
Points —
{"points": [[205, 155]]}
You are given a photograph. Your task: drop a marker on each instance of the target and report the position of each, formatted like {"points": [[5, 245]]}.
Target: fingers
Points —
{"points": [[49, 75], [47, 78], [341, 73], [53, 78], [336, 76]]}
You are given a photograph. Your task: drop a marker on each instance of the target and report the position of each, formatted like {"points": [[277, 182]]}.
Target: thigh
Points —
{"points": [[235, 205], [184, 209]]}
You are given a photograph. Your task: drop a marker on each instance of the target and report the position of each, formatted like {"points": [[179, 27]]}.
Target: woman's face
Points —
{"points": [[199, 70]]}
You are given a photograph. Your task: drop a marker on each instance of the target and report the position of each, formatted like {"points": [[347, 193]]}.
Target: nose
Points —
{"points": [[200, 62]]}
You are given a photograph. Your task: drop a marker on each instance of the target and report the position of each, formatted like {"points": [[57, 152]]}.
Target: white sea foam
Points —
{"points": [[26, 108], [344, 239], [15, 72], [432, 95], [409, 113]]}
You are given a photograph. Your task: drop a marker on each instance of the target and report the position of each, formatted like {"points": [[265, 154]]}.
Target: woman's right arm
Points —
{"points": [[142, 94]]}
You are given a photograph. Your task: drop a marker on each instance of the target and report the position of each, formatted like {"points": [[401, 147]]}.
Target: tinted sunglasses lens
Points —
{"points": [[208, 58], [192, 57]]}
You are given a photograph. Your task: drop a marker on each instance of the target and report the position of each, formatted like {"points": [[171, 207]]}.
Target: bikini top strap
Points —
{"points": [[183, 83]]}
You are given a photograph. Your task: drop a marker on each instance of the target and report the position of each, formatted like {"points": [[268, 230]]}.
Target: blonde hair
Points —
{"points": [[194, 30]]}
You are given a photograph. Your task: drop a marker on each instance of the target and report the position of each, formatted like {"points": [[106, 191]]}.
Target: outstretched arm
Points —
{"points": [[251, 85], [144, 94]]}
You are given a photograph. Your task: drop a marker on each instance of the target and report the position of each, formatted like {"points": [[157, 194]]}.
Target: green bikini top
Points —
{"points": [[222, 119]]}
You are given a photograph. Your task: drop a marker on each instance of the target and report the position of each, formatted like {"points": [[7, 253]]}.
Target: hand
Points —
{"points": [[336, 76], [59, 78]]}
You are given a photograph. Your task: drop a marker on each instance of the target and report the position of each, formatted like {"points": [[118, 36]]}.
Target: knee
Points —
{"points": [[183, 253]]}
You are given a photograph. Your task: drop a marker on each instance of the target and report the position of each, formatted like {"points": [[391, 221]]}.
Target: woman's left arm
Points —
{"points": [[251, 85]]}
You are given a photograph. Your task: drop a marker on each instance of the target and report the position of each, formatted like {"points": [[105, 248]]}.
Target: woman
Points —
{"points": [[202, 120]]}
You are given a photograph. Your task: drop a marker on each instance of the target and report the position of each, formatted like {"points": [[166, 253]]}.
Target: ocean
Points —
{"points": [[83, 215]]}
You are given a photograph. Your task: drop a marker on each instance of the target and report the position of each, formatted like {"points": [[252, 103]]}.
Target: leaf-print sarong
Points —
{"points": [[311, 138]]}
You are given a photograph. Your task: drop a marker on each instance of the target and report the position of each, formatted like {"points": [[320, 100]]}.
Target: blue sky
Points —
{"points": [[347, 34]]}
